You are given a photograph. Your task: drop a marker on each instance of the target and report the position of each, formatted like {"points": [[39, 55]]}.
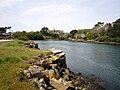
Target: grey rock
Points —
{"points": [[41, 84], [35, 72], [41, 88], [26, 71], [50, 88], [41, 80], [35, 80]]}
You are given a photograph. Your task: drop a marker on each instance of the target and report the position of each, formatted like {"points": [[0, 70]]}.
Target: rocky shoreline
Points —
{"points": [[51, 73]]}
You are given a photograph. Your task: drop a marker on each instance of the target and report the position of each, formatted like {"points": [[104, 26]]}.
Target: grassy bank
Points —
{"points": [[14, 57]]}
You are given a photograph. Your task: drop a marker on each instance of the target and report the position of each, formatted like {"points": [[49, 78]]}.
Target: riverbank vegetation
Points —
{"points": [[14, 57], [100, 33]]}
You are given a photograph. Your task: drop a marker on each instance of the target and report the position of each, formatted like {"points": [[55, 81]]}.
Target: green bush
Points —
{"points": [[115, 40], [103, 39], [92, 35], [118, 40], [24, 38], [112, 39], [35, 36]]}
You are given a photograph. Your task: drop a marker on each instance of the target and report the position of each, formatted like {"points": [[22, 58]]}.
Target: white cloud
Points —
{"points": [[48, 15], [50, 9]]}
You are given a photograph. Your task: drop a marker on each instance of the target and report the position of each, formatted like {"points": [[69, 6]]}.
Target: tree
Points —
{"points": [[18, 34], [44, 31], [35, 36], [113, 29], [9, 27], [2, 30], [116, 28], [92, 35], [72, 33], [103, 39]]}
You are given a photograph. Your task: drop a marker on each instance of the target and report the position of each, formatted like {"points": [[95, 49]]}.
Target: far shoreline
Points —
{"points": [[94, 42], [71, 40], [82, 41]]}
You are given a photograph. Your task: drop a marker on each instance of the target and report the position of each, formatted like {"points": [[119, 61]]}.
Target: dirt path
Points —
{"points": [[5, 40]]}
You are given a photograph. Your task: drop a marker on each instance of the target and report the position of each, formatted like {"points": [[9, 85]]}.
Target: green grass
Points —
{"points": [[14, 57]]}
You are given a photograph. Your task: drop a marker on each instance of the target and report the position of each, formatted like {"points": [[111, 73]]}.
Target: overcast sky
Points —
{"points": [[59, 14]]}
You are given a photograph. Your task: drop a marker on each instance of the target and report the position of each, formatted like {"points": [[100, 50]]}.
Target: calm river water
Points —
{"points": [[98, 59]]}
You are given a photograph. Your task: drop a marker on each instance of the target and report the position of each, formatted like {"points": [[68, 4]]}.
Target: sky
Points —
{"points": [[66, 15]]}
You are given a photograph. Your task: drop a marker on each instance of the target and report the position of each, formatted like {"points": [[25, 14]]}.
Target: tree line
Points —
{"points": [[101, 32], [43, 34]]}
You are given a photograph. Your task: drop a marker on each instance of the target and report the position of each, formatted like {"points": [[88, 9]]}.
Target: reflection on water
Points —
{"points": [[98, 59]]}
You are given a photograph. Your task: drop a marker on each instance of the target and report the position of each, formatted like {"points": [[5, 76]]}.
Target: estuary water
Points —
{"points": [[98, 59]]}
